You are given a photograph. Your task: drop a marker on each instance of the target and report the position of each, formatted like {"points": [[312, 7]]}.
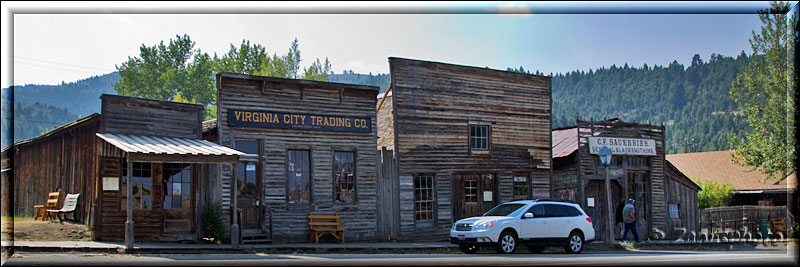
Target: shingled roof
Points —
{"points": [[717, 166]]}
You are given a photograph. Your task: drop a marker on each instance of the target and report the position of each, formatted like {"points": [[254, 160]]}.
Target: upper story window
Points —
{"points": [[249, 147], [479, 137]]}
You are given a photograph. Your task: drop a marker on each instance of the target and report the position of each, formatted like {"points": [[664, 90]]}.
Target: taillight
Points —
{"points": [[589, 219]]}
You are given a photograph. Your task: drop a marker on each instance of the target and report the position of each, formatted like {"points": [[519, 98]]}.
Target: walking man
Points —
{"points": [[629, 217]]}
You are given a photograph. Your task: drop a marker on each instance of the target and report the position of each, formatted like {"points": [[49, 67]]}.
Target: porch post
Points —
{"points": [[129, 222], [234, 211]]}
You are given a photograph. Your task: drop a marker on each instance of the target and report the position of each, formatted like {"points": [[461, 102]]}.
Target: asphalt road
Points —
{"points": [[773, 257]]}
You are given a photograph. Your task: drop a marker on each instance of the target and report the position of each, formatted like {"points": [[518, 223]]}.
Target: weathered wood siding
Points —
{"points": [[290, 222], [63, 158], [683, 192], [128, 115], [590, 170], [433, 105]]}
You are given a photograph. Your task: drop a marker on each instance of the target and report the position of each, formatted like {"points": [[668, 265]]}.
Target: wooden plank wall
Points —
{"points": [[386, 124], [66, 160], [290, 222], [433, 105], [682, 191], [147, 223], [128, 115], [591, 169]]}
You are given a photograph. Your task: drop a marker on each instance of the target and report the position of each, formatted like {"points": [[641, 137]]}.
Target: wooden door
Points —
{"points": [[178, 195], [249, 192], [474, 194]]}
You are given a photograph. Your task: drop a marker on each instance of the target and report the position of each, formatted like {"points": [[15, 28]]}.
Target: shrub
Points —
{"points": [[713, 194], [211, 221]]}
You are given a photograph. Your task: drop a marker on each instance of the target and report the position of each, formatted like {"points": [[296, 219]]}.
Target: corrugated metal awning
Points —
{"points": [[170, 148]]}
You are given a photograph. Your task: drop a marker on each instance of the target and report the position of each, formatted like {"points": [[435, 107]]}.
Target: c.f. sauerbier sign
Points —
{"points": [[623, 146], [282, 120]]}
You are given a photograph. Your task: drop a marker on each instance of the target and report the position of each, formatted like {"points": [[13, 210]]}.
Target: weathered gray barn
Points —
{"points": [[666, 199], [458, 140]]}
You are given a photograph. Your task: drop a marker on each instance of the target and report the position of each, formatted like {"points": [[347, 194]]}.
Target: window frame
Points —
{"points": [[514, 185], [467, 191], [355, 177], [432, 200], [167, 183], [310, 178], [677, 210], [488, 137], [124, 187]]}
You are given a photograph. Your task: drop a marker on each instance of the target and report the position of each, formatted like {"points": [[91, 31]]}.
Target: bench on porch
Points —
{"points": [[319, 225], [779, 226]]}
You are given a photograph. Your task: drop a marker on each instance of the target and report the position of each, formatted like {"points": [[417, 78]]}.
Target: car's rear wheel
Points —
{"points": [[574, 243], [468, 249], [536, 249], [507, 243]]}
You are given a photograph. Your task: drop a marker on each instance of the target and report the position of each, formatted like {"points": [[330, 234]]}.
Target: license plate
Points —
{"points": [[460, 237]]}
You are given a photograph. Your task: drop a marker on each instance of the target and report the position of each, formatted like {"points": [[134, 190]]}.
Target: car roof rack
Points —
{"points": [[554, 200]]}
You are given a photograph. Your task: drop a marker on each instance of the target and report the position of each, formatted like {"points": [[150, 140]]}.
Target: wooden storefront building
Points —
{"points": [[156, 145], [310, 148], [458, 140], [666, 200]]}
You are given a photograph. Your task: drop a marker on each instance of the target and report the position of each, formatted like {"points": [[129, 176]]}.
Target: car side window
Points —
{"points": [[572, 211], [551, 210], [538, 211]]}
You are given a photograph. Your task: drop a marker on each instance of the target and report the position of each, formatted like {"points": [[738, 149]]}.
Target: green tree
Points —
{"points": [[764, 91], [162, 71], [713, 194]]}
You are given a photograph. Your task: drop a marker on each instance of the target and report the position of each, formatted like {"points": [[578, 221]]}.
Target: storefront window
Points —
{"points": [[299, 177], [141, 183], [479, 137], [423, 198], [638, 186], [178, 184], [344, 177]]}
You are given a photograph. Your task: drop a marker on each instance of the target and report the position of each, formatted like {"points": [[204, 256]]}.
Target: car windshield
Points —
{"points": [[505, 210]]}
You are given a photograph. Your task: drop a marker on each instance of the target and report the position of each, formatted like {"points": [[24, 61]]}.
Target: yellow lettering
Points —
{"points": [[237, 113], [358, 123], [275, 118], [287, 118], [347, 122], [303, 119], [248, 116]]}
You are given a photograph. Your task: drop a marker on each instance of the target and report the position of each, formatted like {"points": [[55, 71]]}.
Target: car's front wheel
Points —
{"points": [[468, 249], [507, 243], [574, 243]]}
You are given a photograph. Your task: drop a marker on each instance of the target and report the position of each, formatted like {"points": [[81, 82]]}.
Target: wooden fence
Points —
{"points": [[388, 196], [742, 221]]}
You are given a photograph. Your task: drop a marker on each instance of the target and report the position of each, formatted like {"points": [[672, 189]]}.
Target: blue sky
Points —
{"points": [[50, 48]]}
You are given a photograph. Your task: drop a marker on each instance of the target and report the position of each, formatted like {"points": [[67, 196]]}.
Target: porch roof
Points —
{"points": [[170, 149]]}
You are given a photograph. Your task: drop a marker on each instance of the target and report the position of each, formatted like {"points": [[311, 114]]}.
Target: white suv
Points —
{"points": [[535, 223]]}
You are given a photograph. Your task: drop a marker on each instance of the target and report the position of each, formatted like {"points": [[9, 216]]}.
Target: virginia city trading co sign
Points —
{"points": [[281, 120], [623, 146]]}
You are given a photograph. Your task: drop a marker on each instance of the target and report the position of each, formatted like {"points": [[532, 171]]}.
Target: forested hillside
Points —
{"points": [[693, 102], [80, 97], [33, 120], [381, 80]]}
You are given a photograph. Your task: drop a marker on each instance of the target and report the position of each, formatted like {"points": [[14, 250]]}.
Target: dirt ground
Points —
{"points": [[26, 229]]}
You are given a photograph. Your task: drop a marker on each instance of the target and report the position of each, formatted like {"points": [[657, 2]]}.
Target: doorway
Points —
{"points": [[178, 199], [248, 193], [473, 194]]}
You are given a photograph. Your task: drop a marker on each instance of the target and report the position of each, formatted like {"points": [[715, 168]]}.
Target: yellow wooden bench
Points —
{"points": [[53, 202], [330, 224]]}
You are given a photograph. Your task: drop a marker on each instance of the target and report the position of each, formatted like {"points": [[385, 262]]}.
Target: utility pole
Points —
{"points": [[686, 144]]}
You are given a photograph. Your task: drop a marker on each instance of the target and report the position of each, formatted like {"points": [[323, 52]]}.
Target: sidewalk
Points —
{"points": [[163, 247]]}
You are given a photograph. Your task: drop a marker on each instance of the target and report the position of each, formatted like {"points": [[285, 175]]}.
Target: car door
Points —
{"points": [[536, 227], [557, 220]]}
